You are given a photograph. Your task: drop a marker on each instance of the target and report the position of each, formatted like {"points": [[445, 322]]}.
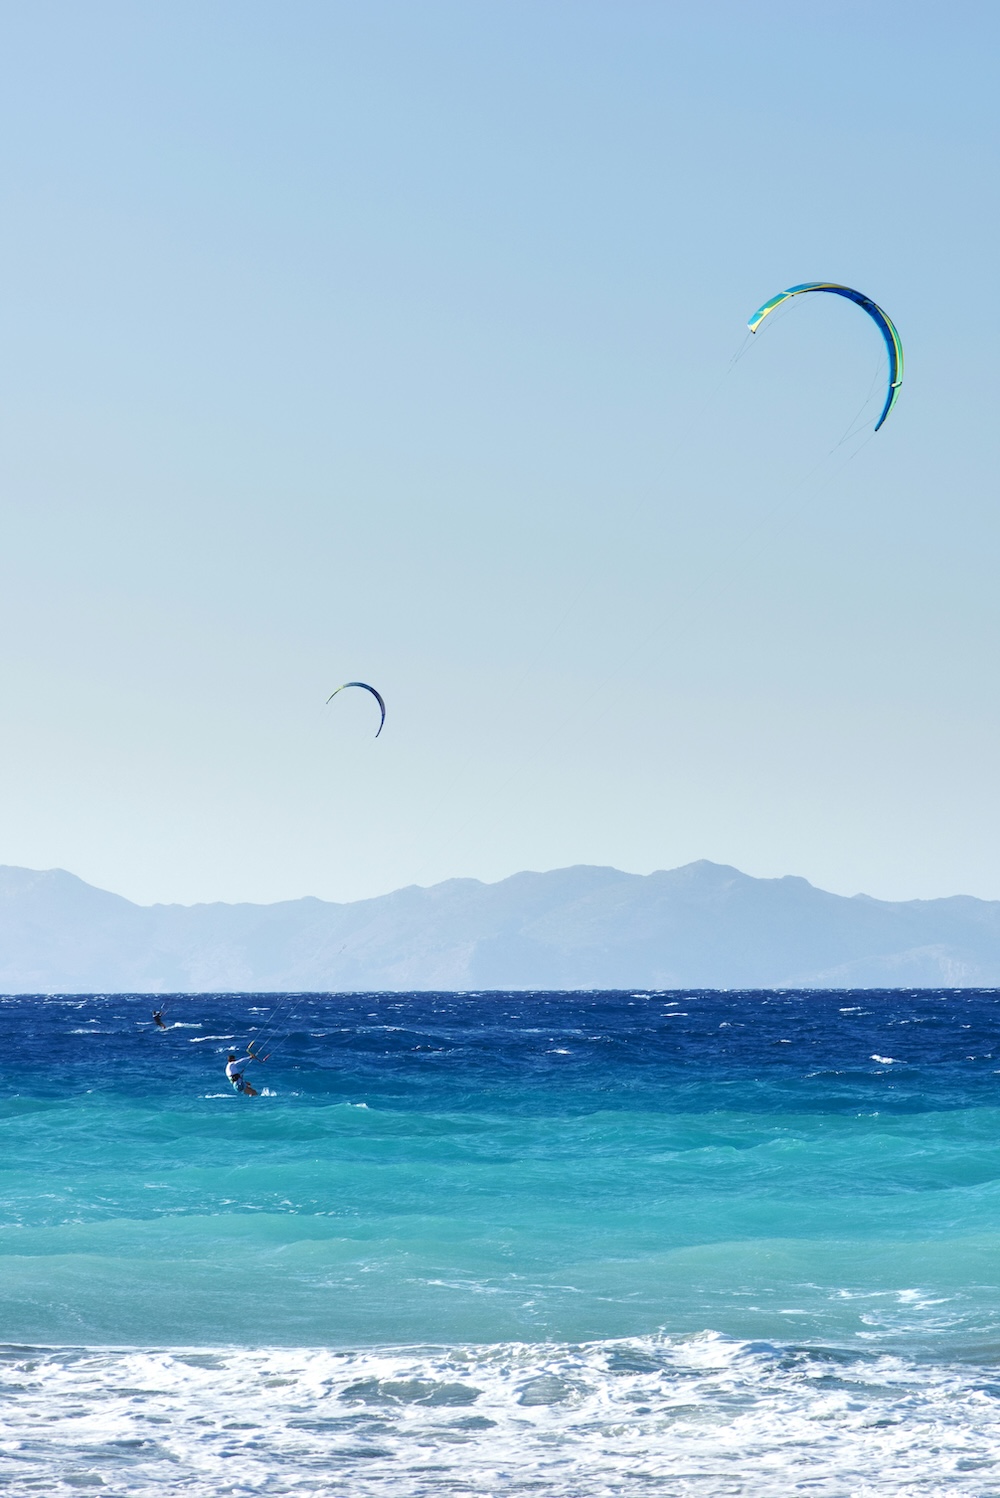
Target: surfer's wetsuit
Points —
{"points": [[234, 1071]]}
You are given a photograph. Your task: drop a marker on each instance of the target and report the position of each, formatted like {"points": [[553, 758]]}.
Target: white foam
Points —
{"points": [[695, 1418]]}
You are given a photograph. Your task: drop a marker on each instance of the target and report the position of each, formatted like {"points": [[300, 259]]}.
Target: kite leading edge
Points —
{"points": [[880, 318]]}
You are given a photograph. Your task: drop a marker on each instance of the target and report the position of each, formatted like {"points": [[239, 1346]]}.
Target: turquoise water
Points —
{"points": [[770, 1196]]}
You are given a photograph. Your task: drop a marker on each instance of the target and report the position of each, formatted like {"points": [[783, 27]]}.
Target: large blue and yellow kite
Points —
{"points": [[883, 321]]}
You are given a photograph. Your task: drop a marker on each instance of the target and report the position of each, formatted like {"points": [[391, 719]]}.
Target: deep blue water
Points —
{"points": [[809, 1182]]}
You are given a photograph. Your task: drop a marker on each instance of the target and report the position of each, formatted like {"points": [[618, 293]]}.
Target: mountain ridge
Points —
{"points": [[702, 925]]}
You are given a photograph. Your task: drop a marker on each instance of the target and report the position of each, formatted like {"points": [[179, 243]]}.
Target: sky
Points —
{"points": [[407, 343]]}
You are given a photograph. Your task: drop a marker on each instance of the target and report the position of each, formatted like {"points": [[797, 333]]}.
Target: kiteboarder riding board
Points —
{"points": [[234, 1071]]}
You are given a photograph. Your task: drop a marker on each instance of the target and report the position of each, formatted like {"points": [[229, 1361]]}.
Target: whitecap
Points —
{"points": [[698, 1417]]}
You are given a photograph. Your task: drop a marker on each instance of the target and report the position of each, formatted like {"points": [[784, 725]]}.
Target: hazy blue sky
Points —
{"points": [[389, 340]]}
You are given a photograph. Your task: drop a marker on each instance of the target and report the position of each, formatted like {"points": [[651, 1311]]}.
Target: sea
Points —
{"points": [[574, 1244]]}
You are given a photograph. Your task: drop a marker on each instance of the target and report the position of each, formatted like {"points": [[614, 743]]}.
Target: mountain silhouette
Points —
{"points": [[701, 926]]}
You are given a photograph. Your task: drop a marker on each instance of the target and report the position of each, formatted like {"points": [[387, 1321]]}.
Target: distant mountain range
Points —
{"points": [[700, 926]]}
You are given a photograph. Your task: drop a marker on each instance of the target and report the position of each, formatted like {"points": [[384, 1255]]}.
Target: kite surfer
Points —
{"points": [[158, 1019], [234, 1071]]}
